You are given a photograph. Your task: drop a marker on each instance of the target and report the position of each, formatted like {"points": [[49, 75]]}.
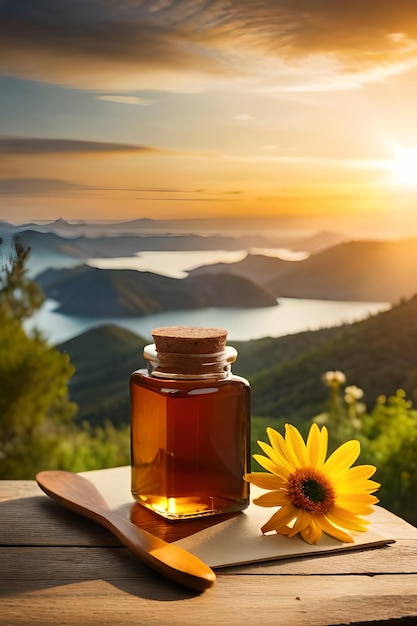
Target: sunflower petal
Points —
{"points": [[280, 447], [280, 519], [283, 530], [344, 516], [357, 486], [296, 446], [282, 468], [342, 458], [361, 472], [350, 500], [323, 447], [311, 533], [302, 521], [312, 444], [355, 525], [266, 463], [264, 480], [358, 508], [317, 442], [273, 498], [334, 531]]}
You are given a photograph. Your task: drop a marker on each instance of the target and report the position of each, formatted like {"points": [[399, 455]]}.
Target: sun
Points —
{"points": [[404, 167]]}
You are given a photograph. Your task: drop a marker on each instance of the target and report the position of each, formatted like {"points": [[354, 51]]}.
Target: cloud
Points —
{"points": [[244, 117], [43, 187], [59, 187], [29, 145], [38, 187], [127, 100], [188, 44]]}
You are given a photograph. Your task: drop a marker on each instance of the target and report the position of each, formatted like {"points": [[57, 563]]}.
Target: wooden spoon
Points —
{"points": [[80, 495]]}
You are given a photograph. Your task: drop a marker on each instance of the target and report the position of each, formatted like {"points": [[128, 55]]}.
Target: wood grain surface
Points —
{"points": [[58, 568]]}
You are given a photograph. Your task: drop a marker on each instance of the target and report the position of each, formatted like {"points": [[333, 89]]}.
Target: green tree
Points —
{"points": [[35, 411], [388, 438], [20, 297], [391, 432]]}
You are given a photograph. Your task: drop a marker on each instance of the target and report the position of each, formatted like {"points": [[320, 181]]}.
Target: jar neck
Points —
{"points": [[189, 366]]}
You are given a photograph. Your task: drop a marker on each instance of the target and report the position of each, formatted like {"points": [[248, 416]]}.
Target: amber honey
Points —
{"points": [[190, 442]]}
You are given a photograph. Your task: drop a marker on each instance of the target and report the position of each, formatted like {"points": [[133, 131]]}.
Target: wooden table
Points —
{"points": [[59, 568]]}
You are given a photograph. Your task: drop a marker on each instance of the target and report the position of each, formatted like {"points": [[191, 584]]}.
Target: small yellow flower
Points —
{"points": [[315, 495]]}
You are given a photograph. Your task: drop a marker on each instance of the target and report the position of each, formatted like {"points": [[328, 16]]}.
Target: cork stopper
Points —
{"points": [[189, 339]]}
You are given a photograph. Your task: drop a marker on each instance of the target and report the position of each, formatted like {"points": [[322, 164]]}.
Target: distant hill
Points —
{"points": [[256, 267], [90, 291], [263, 232], [104, 358], [378, 271], [109, 245], [378, 354], [319, 241]]}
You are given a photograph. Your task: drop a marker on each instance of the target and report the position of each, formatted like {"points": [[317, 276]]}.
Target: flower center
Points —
{"points": [[309, 489]]}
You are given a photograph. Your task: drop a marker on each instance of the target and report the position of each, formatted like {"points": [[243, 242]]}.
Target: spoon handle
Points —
{"points": [[80, 496], [167, 559]]}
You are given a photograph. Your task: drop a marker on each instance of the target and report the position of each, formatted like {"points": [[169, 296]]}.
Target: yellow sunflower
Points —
{"points": [[315, 495]]}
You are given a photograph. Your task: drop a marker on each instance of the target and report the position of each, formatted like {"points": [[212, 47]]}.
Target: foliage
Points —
{"points": [[36, 427], [391, 433], [388, 437], [104, 357], [33, 376], [19, 296], [86, 448], [33, 399]]}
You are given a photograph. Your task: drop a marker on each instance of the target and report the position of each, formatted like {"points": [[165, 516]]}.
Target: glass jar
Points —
{"points": [[190, 425]]}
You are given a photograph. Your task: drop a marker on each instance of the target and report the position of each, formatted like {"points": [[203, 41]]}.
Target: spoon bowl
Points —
{"points": [[80, 496]]}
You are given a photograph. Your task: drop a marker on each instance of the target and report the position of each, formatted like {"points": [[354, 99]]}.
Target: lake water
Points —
{"points": [[288, 317], [177, 264]]}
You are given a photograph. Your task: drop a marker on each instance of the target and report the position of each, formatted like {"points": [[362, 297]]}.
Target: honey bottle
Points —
{"points": [[190, 425]]}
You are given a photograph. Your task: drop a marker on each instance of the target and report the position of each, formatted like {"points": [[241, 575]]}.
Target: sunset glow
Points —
{"points": [[177, 109], [404, 167]]}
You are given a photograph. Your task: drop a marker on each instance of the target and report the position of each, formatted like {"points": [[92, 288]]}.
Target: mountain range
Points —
{"points": [[62, 244], [86, 290], [376, 271], [278, 231], [370, 271], [360, 270]]}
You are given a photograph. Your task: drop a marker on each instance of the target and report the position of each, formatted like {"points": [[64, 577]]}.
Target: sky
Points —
{"points": [[171, 109]]}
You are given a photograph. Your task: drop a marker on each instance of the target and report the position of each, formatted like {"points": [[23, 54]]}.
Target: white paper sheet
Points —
{"points": [[237, 540]]}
